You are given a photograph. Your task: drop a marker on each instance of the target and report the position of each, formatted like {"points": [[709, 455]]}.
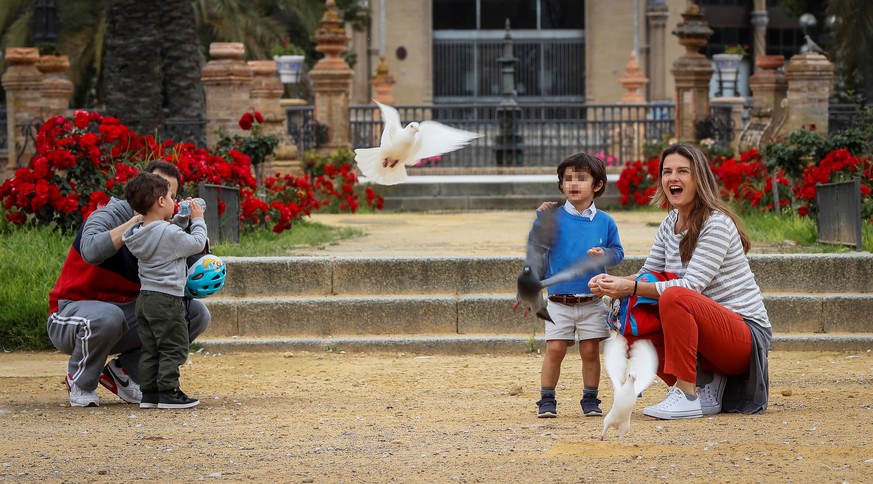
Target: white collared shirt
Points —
{"points": [[589, 212]]}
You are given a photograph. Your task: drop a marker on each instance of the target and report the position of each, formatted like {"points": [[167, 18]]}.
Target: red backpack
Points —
{"points": [[642, 317]]}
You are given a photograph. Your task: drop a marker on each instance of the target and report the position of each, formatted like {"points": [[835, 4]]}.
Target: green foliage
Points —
{"points": [[24, 293], [287, 48], [796, 152], [49, 49], [315, 163], [796, 230], [652, 148], [350, 56]]}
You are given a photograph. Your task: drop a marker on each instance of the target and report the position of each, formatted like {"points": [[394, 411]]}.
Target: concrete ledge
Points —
{"points": [[263, 276], [437, 344], [478, 314]]}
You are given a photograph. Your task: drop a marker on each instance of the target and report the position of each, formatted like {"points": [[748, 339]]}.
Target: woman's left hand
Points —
{"points": [[611, 286]]}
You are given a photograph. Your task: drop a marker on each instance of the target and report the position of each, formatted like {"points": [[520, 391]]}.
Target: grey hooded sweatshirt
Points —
{"points": [[162, 248]]}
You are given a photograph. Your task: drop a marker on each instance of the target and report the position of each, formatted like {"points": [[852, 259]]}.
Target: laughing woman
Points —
{"points": [[715, 334]]}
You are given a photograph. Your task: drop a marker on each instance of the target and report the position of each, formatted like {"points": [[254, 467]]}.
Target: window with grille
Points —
{"points": [[548, 41]]}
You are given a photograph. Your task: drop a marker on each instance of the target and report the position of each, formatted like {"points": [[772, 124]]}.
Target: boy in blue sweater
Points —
{"points": [[582, 231]]}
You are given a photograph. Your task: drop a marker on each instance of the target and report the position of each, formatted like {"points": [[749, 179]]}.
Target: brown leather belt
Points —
{"points": [[569, 299]]}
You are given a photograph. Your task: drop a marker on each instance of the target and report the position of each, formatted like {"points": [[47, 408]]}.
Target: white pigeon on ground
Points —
{"points": [[629, 378], [403, 146]]}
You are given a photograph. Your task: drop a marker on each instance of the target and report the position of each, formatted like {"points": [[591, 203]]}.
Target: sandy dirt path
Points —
{"points": [[334, 417]]}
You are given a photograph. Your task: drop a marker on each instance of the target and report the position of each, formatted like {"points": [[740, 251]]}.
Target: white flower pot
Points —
{"points": [[289, 67], [727, 66]]}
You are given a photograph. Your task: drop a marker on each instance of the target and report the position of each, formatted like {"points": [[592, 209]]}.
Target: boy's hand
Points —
{"points": [[596, 251], [196, 209], [546, 206]]}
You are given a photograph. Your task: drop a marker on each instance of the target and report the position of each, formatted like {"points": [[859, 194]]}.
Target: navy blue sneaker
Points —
{"points": [[591, 406], [547, 408]]}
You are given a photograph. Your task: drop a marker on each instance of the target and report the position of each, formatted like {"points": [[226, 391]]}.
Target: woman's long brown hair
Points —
{"points": [[707, 200]]}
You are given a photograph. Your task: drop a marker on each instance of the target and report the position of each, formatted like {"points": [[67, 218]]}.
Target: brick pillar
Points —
{"points": [[332, 80], [23, 83], [810, 77], [768, 86], [692, 72], [57, 90], [226, 81], [266, 93]]}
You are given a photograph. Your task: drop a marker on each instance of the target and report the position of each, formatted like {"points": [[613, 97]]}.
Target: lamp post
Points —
{"points": [[508, 149]]}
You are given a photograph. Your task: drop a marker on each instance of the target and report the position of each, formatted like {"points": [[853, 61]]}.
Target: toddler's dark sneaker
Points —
{"points": [[547, 408], [591, 406], [176, 398], [150, 399]]}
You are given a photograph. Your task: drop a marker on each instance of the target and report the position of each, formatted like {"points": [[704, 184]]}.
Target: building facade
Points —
{"points": [[568, 51]]}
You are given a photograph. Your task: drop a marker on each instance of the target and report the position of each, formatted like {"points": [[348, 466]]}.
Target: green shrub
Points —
{"points": [[30, 261]]}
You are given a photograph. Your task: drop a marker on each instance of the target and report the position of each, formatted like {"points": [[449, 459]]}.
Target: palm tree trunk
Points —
{"points": [[132, 64], [184, 105]]}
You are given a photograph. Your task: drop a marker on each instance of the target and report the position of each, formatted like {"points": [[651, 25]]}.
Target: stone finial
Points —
{"points": [[331, 39], [383, 82], [693, 31], [633, 80]]}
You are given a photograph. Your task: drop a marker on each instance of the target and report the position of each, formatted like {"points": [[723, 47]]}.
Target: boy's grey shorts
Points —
{"points": [[577, 323]]}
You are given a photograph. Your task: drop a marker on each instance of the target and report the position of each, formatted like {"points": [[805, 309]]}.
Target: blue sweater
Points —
{"points": [[575, 235]]}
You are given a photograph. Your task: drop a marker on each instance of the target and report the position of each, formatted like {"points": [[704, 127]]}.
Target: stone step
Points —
{"points": [[489, 344], [481, 192], [300, 276], [477, 314]]}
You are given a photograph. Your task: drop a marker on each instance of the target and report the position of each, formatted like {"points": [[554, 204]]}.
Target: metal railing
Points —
{"points": [[550, 69], [549, 132], [303, 129], [845, 116]]}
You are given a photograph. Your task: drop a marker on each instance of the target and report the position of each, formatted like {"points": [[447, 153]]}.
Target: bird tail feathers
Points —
{"points": [[370, 162]]}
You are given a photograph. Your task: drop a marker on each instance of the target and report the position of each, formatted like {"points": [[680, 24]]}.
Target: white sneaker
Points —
{"points": [[79, 397], [711, 393], [676, 405], [117, 381]]}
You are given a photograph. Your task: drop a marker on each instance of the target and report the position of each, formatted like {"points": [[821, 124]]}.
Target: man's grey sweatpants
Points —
{"points": [[90, 331]]}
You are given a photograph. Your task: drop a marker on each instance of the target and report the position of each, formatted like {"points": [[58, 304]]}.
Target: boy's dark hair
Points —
{"points": [[166, 168], [583, 161], [142, 192]]}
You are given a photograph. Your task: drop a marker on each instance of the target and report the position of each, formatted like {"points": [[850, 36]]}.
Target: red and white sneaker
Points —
{"points": [[79, 397], [117, 381]]}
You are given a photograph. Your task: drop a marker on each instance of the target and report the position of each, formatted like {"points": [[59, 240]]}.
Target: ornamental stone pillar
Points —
{"points": [[768, 86], [692, 72], [626, 141], [810, 77], [23, 84], [266, 93], [57, 90], [226, 82], [383, 83], [656, 16], [332, 80]]}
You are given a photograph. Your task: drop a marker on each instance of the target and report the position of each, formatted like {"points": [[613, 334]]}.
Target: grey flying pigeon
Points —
{"points": [[529, 294], [629, 378], [402, 146]]}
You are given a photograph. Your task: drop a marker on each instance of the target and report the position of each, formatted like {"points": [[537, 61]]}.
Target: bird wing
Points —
{"points": [[540, 240], [583, 266], [643, 364], [391, 119], [615, 359], [370, 162], [435, 138]]}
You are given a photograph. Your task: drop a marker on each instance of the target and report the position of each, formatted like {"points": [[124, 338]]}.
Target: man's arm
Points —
{"points": [[101, 233]]}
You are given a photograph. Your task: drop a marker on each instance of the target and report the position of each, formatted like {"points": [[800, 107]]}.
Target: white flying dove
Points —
{"points": [[629, 378], [401, 146]]}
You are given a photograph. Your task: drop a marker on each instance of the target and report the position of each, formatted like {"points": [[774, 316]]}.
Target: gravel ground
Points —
{"points": [[335, 417]]}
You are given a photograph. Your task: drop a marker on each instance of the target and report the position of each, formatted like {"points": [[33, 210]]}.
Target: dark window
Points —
{"points": [[522, 14], [562, 14], [454, 14]]}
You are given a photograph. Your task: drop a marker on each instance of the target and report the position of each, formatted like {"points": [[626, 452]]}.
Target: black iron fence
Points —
{"points": [[844, 116], [303, 129], [547, 133]]}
